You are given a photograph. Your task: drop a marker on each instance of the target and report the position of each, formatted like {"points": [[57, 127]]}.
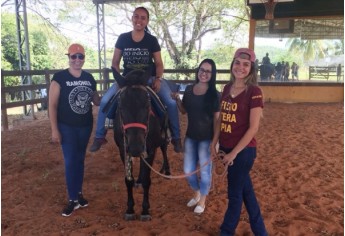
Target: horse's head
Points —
{"points": [[135, 77], [133, 111]]}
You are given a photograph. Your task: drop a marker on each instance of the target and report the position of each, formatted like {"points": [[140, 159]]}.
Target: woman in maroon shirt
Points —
{"points": [[240, 112]]}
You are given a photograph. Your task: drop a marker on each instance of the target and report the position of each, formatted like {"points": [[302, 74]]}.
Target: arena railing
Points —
{"points": [[25, 95]]}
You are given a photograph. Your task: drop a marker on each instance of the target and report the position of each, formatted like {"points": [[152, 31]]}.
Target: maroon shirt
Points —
{"points": [[235, 114]]}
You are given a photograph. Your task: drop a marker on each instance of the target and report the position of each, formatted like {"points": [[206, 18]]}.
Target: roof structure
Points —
{"points": [[306, 29], [307, 19]]}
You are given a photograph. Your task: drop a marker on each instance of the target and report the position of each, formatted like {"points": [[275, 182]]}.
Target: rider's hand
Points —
{"points": [[175, 96], [156, 85]]}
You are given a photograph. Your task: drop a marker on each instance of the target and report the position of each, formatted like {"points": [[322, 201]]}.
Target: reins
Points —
{"points": [[218, 161], [175, 176]]}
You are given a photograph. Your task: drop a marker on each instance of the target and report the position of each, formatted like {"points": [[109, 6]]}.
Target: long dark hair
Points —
{"points": [[211, 96]]}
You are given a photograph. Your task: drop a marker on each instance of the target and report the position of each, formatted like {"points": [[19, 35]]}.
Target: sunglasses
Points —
{"points": [[79, 56]]}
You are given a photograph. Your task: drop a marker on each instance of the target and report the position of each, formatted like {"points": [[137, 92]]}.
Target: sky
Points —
{"points": [[80, 35], [276, 42], [79, 32]]}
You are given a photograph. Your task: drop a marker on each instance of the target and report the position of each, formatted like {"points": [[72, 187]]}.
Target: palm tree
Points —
{"points": [[315, 49], [310, 49]]}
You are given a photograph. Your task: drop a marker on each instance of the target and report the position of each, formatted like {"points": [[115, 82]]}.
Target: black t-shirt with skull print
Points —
{"points": [[75, 98]]}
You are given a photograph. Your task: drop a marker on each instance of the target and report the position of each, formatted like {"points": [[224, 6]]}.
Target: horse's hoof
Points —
{"points": [[145, 218], [129, 217]]}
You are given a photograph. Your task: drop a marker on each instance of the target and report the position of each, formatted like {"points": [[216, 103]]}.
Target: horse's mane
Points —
{"points": [[135, 77], [134, 93]]}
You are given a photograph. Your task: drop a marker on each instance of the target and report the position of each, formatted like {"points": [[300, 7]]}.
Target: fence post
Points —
{"points": [[106, 79], [327, 73], [47, 79], [4, 118]]}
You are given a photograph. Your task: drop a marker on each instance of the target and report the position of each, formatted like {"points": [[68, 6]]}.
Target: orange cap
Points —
{"points": [[75, 48]]}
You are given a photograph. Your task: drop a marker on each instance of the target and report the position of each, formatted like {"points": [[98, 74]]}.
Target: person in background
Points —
{"points": [[71, 94], [140, 50], [294, 71], [287, 71], [283, 71], [201, 103], [266, 60], [44, 104], [257, 65], [339, 72], [278, 70], [240, 112]]}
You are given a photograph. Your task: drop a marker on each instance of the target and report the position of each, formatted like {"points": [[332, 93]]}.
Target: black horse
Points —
{"points": [[138, 133], [266, 71]]}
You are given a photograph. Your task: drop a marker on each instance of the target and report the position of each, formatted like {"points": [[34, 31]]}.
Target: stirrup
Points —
{"points": [[109, 123]]}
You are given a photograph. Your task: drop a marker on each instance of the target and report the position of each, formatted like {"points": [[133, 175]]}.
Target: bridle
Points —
{"points": [[144, 125], [135, 125]]}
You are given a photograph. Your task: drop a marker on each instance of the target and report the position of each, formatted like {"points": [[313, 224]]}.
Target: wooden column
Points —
{"points": [[4, 118], [252, 26]]}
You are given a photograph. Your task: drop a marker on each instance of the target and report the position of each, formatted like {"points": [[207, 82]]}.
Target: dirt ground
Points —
{"points": [[298, 177]]}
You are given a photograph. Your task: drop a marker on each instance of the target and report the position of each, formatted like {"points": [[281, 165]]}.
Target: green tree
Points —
{"points": [[40, 49], [9, 45], [181, 26], [313, 49]]}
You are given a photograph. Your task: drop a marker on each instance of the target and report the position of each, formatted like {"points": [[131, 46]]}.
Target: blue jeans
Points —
{"points": [[101, 131], [198, 152], [74, 141], [163, 94], [240, 189]]}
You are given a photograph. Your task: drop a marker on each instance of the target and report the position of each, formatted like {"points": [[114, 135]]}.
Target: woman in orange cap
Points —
{"points": [[70, 112]]}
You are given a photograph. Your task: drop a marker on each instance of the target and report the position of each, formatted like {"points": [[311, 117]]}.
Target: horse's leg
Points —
{"points": [[130, 215], [165, 167], [165, 140], [138, 183], [146, 183]]}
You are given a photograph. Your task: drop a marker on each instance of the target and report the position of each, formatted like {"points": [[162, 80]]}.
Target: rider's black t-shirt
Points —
{"points": [[137, 55]]}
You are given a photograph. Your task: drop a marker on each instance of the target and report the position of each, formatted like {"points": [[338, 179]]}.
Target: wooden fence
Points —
{"points": [[324, 72], [272, 89], [102, 86]]}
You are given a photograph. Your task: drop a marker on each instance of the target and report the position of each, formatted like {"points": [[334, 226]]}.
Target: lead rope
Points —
{"points": [[221, 169], [218, 160]]}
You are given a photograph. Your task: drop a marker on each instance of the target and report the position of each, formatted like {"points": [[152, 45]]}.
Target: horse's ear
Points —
{"points": [[136, 77], [118, 77]]}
